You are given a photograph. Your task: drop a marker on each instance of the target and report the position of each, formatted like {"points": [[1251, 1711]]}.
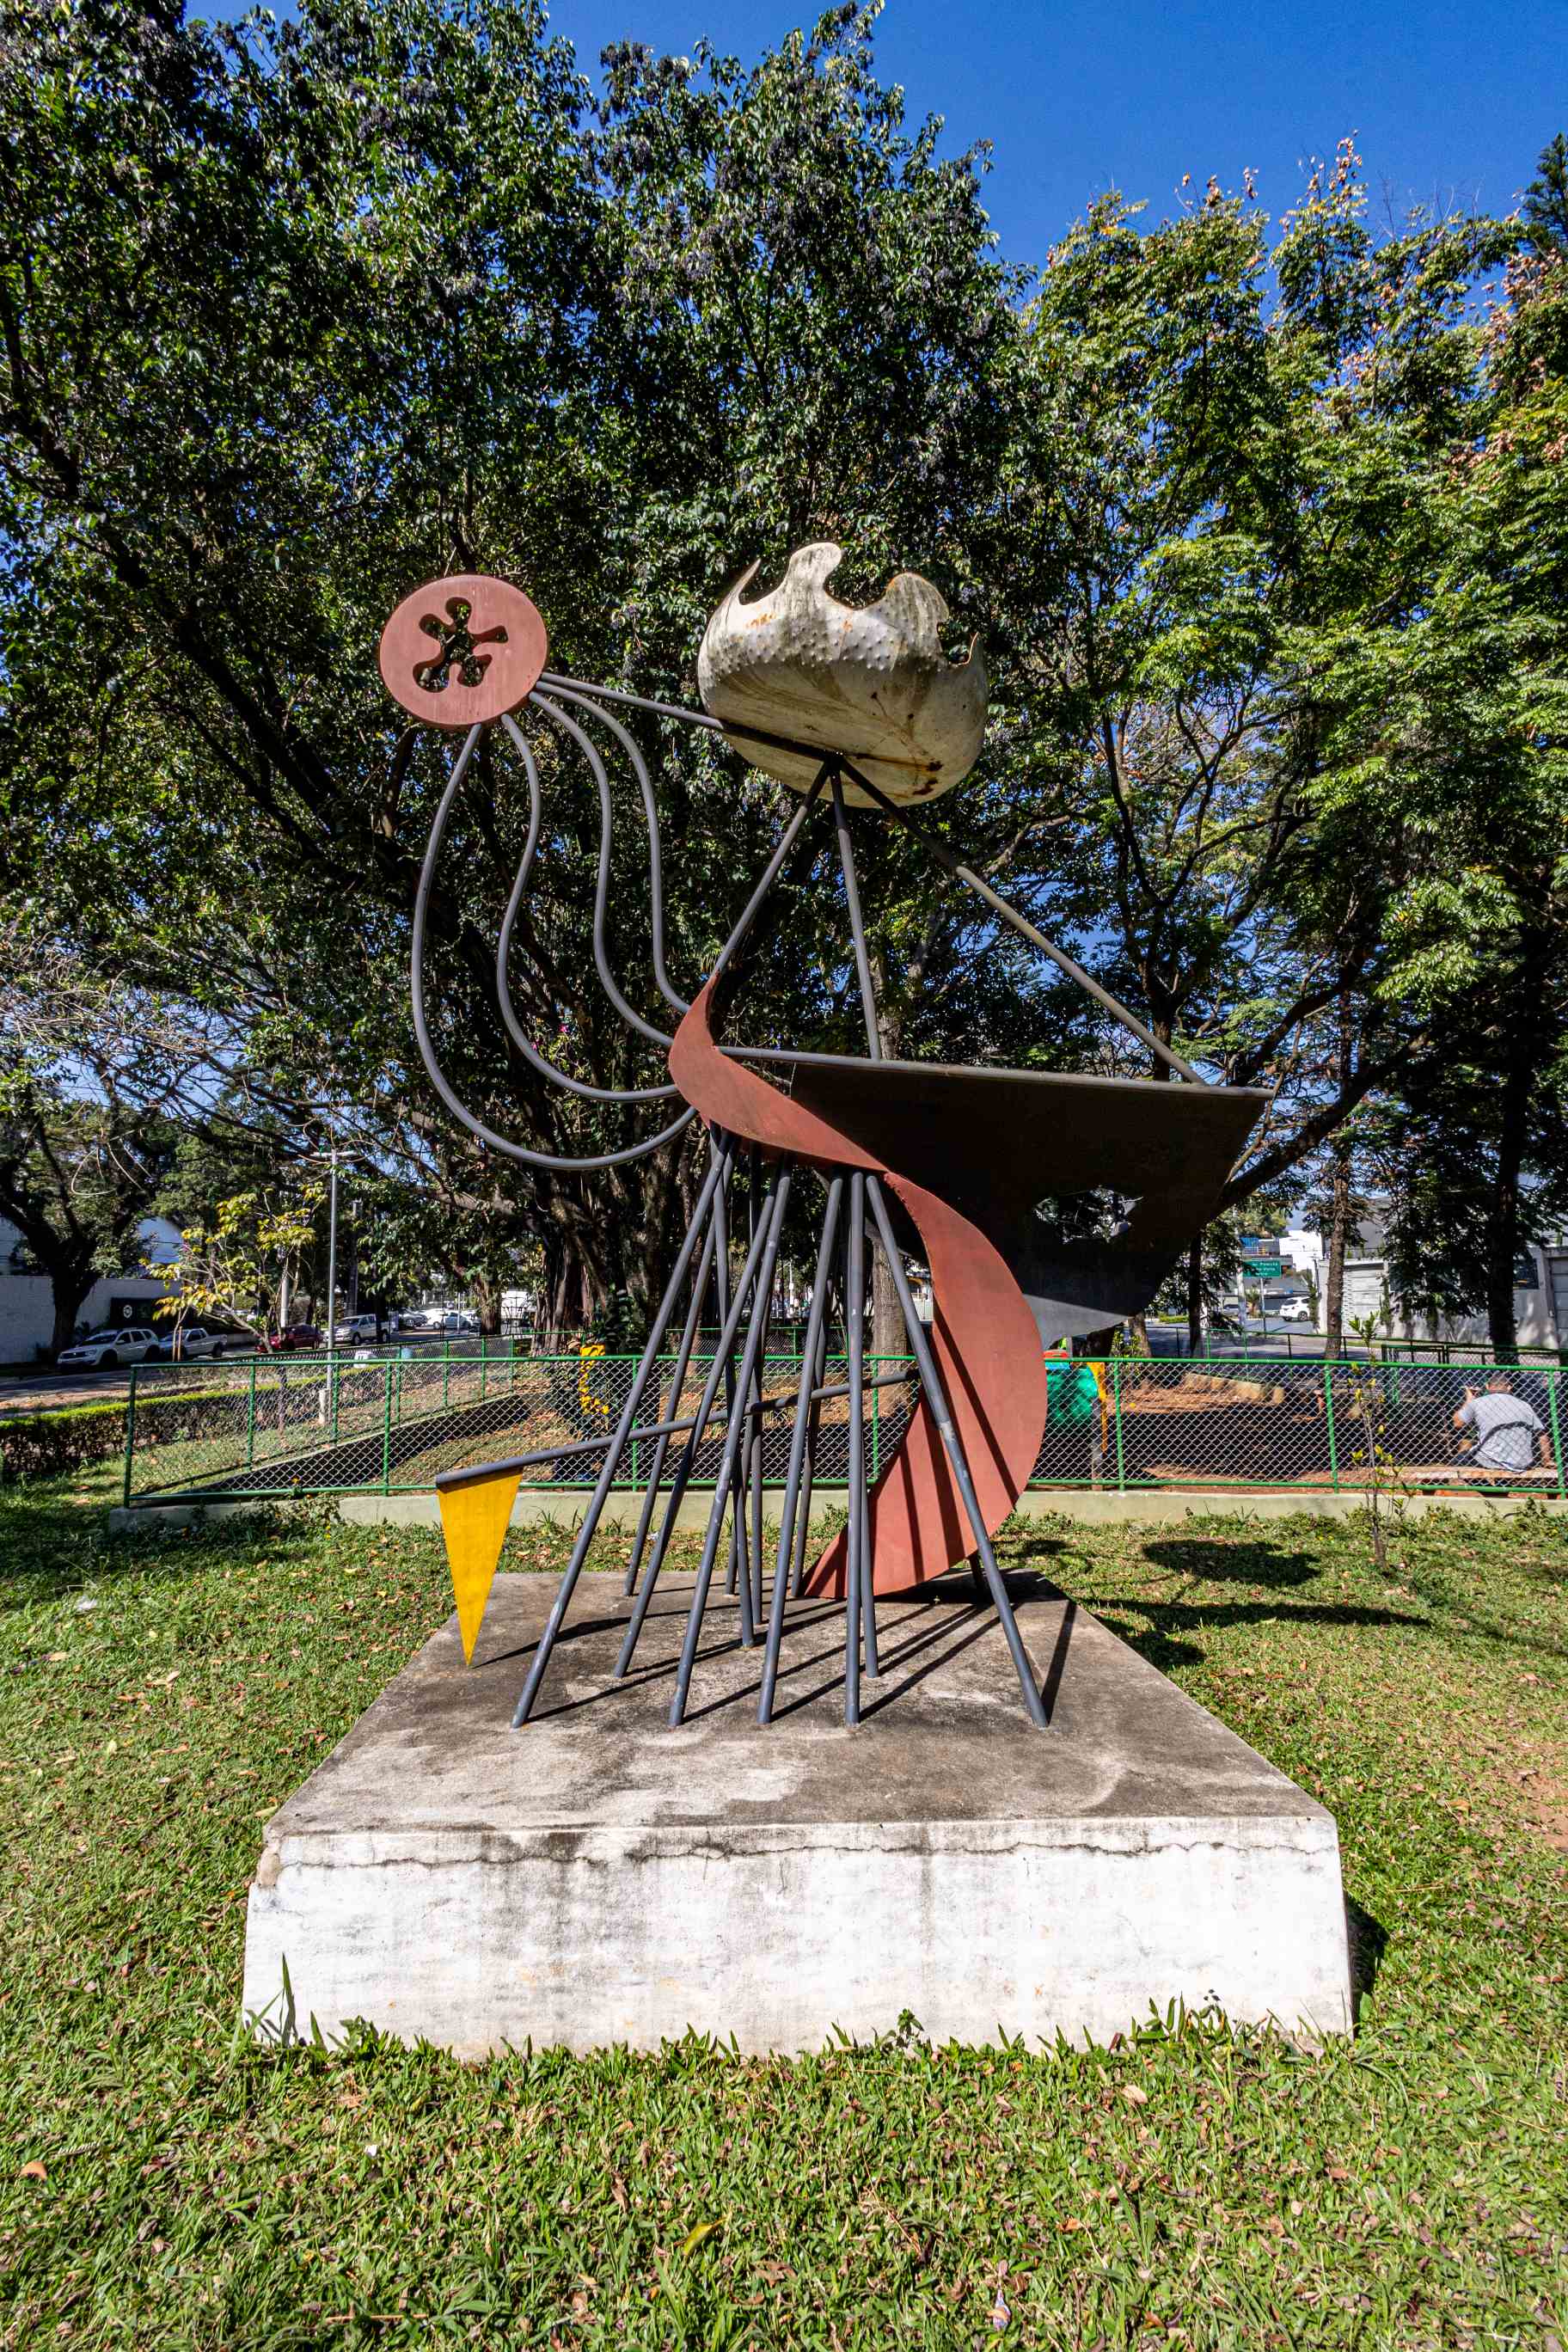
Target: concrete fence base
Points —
{"points": [[1086, 1505]]}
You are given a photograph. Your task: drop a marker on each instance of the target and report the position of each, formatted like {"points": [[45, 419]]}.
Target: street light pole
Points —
{"points": [[332, 1259]]}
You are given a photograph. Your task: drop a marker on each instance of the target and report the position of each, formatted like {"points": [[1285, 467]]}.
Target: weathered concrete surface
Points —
{"points": [[1087, 1506], [596, 1877]]}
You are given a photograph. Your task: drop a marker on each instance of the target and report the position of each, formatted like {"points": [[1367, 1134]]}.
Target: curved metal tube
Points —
{"points": [[650, 811], [558, 682], [628, 1013], [488, 1135], [529, 1051]]}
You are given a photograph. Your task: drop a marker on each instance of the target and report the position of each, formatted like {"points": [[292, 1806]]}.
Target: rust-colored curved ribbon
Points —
{"points": [[985, 1340]]}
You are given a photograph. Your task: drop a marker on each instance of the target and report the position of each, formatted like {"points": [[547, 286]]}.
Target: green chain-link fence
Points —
{"points": [[296, 1425]]}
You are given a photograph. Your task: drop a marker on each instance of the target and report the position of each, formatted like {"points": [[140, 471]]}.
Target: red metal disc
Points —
{"points": [[462, 651]]}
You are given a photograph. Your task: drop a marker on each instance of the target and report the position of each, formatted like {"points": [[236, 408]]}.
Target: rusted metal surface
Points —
{"points": [[984, 1338], [463, 651], [996, 1143]]}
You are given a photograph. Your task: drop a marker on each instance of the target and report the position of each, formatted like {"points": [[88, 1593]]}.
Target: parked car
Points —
{"points": [[1296, 1310], [356, 1327], [293, 1338], [103, 1351], [194, 1340]]}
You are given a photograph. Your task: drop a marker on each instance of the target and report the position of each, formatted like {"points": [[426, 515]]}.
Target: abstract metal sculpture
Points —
{"points": [[843, 707]]}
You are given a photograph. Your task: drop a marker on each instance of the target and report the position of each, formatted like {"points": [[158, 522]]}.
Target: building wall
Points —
{"points": [[1540, 1312], [26, 1317], [26, 1301]]}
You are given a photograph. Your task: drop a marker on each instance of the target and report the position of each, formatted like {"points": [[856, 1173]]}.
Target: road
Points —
{"points": [[30, 1391]]}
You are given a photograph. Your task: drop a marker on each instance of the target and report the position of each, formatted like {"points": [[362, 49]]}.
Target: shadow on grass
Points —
{"points": [[1369, 1941], [1164, 1637], [1220, 1563]]}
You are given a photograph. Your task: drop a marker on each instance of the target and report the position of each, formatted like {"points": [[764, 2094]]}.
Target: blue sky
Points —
{"points": [[1450, 102]]}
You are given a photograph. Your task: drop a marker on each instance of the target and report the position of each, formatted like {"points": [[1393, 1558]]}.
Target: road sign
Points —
{"points": [[1263, 1269]]}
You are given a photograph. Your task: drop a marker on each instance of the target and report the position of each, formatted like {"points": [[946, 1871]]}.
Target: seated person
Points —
{"points": [[1503, 1426]]}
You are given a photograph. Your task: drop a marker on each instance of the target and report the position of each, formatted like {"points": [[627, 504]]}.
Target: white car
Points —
{"points": [[103, 1351], [1296, 1310]]}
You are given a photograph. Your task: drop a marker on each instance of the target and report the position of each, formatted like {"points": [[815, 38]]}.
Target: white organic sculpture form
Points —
{"points": [[873, 684]]}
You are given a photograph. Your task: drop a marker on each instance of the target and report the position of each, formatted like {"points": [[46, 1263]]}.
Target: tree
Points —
{"points": [[96, 1076], [294, 315], [1226, 527], [412, 307], [239, 1261], [1545, 206], [1473, 751]]}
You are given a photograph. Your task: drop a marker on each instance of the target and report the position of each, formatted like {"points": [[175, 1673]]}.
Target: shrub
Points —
{"points": [[51, 1444]]}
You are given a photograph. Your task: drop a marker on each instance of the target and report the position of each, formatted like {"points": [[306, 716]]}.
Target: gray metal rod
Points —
{"points": [[627, 1011], [557, 680], [804, 1409], [860, 1608], [854, 1533], [943, 857], [670, 994], [677, 1382], [525, 1045], [715, 1373], [518, 1151], [856, 928], [1026, 929], [472, 1474], [936, 1397], [754, 1468], [769, 1233], [739, 1546], [736, 1535], [710, 1187], [862, 1561], [797, 1577]]}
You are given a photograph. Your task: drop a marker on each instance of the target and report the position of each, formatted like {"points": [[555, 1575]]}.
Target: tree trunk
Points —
{"points": [[550, 1322], [1335, 1272], [1502, 1233], [68, 1286], [486, 1295], [1338, 1207]]}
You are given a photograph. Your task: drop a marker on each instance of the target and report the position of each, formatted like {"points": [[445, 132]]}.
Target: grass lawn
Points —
{"points": [[164, 2184]]}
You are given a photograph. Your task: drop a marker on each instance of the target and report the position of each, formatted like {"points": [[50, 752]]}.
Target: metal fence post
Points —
{"points": [[1551, 1387], [1329, 1415], [484, 1355], [250, 1430], [130, 1433], [1116, 1410], [386, 1437], [446, 1371], [332, 1378]]}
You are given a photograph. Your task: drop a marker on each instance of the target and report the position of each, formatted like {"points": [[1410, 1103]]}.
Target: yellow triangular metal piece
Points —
{"points": [[474, 1521]]}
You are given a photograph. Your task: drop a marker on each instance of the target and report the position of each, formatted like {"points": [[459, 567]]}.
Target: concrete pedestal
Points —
{"points": [[596, 1877]]}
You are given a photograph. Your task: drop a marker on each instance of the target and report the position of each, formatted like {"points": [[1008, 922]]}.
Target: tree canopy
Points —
{"points": [[1263, 524]]}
